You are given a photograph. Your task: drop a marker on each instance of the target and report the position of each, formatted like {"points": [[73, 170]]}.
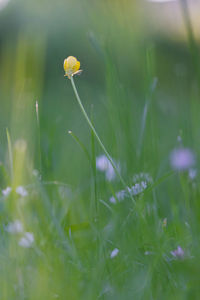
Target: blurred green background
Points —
{"points": [[111, 40], [131, 53]]}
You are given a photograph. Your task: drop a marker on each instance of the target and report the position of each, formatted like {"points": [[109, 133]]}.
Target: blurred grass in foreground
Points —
{"points": [[65, 231]]}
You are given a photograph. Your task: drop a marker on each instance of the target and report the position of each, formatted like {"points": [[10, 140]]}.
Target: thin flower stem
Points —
{"points": [[39, 137], [97, 137], [145, 112], [10, 154]]}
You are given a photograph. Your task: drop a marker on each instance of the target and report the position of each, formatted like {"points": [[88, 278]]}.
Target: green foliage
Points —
{"points": [[141, 92]]}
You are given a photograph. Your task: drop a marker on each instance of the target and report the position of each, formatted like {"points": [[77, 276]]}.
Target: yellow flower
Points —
{"points": [[71, 66]]}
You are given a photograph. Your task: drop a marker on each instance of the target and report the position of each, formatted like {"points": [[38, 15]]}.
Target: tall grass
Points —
{"points": [[68, 230]]}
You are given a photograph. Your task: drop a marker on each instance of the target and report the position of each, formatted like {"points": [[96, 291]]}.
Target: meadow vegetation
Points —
{"points": [[76, 221]]}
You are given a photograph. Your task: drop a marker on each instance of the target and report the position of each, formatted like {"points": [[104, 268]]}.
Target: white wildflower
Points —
{"points": [[114, 253], [110, 173], [192, 174], [138, 188], [7, 191], [104, 165], [141, 182], [119, 195], [21, 191], [27, 240], [112, 200], [182, 159], [143, 177], [14, 227]]}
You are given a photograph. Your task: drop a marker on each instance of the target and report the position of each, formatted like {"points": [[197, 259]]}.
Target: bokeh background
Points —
{"points": [[131, 53], [111, 40]]}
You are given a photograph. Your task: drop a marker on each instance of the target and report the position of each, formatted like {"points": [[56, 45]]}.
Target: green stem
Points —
{"points": [[39, 138], [93, 159], [97, 137], [80, 144], [10, 154]]}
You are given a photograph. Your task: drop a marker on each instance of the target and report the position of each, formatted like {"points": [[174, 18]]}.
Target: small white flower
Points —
{"points": [[112, 200], [7, 191], [182, 159], [192, 173], [14, 227], [119, 195], [141, 180], [142, 177], [110, 172], [21, 191], [138, 188], [114, 253], [27, 240], [104, 165]]}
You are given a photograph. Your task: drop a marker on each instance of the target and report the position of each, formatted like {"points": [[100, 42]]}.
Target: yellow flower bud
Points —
{"points": [[71, 66]]}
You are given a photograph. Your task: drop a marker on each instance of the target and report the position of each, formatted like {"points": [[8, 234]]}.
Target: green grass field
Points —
{"points": [[72, 227]]}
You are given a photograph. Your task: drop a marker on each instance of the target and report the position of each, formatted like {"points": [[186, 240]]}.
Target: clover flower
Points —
{"points": [[182, 159], [178, 253], [71, 66]]}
